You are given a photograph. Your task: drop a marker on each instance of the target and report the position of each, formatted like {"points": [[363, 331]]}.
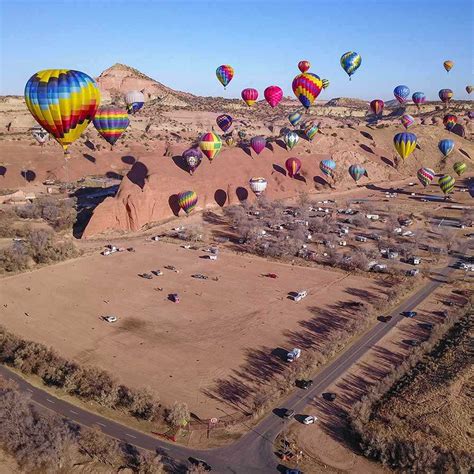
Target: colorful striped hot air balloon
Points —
{"points": [[304, 65], [401, 93], [407, 121], [425, 176], [325, 83], [377, 106], [350, 62], [63, 102], [258, 185], [293, 166], [446, 183], [356, 172], [418, 98], [449, 121], [445, 95], [224, 122], [291, 139], [404, 143], [294, 118], [210, 144], [459, 167], [448, 65], [307, 87], [193, 158], [311, 130], [111, 122], [258, 144], [224, 74], [446, 146], [187, 201], [273, 95], [249, 96], [327, 167], [134, 101]]}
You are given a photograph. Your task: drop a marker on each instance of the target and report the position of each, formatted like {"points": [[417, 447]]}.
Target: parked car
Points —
{"points": [[288, 413], [110, 319], [200, 276], [298, 296], [329, 396], [304, 384], [174, 297], [157, 272], [171, 267], [384, 319], [147, 276], [309, 420], [271, 275], [409, 314]]}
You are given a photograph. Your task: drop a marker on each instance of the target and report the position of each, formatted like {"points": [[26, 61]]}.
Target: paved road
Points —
{"points": [[253, 452]]}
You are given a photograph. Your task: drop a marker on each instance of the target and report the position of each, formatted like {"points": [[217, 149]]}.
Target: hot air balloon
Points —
{"points": [[404, 143], [327, 167], [418, 98], [40, 134], [224, 74], [448, 65], [407, 121], [445, 95], [425, 176], [401, 93], [446, 146], [469, 89], [229, 141], [459, 167], [303, 66], [187, 201], [224, 122], [446, 183], [258, 185], [307, 87], [134, 101], [377, 106], [258, 144], [325, 83], [294, 118], [249, 96], [111, 121], [311, 130], [63, 102], [193, 158], [293, 166], [470, 114], [273, 95], [350, 62], [210, 144], [356, 172], [291, 139], [449, 121]]}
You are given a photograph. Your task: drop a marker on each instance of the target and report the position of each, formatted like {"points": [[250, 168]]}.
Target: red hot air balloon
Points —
{"points": [[258, 144], [273, 95], [304, 65], [249, 96], [293, 166], [377, 106]]}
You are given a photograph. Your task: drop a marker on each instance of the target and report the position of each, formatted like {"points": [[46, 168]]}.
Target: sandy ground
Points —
{"points": [[178, 350]]}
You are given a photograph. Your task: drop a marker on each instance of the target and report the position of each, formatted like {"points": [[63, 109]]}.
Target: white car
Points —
{"points": [[310, 419], [110, 319]]}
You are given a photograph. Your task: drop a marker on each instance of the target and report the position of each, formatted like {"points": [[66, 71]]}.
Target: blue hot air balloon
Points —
{"points": [[446, 146], [401, 93]]}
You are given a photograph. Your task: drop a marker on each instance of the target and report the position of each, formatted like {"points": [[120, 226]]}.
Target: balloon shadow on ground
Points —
{"points": [[320, 181], [279, 169], [280, 143], [179, 161], [3, 170], [418, 147], [28, 175], [128, 160], [366, 148], [465, 153], [459, 130], [173, 203], [220, 196], [138, 174], [270, 147], [387, 161], [113, 175], [366, 135], [246, 149], [242, 193], [89, 145], [89, 157], [299, 177]]}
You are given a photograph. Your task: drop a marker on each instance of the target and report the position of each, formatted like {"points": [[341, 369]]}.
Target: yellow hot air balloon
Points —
{"points": [[404, 143], [210, 144], [448, 65], [63, 102]]}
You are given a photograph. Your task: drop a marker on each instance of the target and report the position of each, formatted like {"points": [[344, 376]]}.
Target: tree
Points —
{"points": [[98, 446], [178, 414]]}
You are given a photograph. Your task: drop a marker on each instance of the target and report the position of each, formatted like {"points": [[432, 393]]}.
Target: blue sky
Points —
{"points": [[181, 43]]}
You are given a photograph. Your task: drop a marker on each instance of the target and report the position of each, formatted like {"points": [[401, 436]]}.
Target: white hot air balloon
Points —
{"points": [[258, 185], [134, 101]]}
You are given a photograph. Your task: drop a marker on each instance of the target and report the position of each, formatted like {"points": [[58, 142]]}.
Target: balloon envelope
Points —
{"points": [[291, 139], [187, 201], [210, 144], [446, 183], [258, 185], [224, 122], [445, 95], [448, 65], [449, 121], [446, 146], [377, 106], [40, 134], [325, 83], [350, 62], [111, 122], [404, 143], [311, 130], [224, 74], [303, 66], [258, 144], [327, 167], [293, 166], [469, 89], [134, 101], [249, 96], [407, 121], [63, 102], [273, 95], [459, 167], [401, 93], [418, 98], [294, 118], [307, 87], [193, 158], [425, 176], [356, 172]]}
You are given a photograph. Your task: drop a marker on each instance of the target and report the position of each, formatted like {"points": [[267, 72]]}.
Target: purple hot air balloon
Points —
{"points": [[258, 144], [418, 98], [224, 122], [193, 158]]}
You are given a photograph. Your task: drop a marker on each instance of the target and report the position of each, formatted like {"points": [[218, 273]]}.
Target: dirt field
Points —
{"points": [[178, 350]]}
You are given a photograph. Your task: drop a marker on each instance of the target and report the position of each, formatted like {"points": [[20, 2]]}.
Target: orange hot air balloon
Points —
{"points": [[304, 65]]}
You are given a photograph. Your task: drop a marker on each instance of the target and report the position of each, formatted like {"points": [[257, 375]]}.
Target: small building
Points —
{"points": [[372, 217], [414, 260]]}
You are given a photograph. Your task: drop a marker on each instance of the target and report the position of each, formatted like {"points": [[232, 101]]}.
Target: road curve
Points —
{"points": [[253, 452]]}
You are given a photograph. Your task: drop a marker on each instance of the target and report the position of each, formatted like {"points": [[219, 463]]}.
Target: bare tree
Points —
{"points": [[98, 446], [178, 414]]}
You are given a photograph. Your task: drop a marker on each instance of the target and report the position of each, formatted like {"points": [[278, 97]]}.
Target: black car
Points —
{"points": [[409, 314], [304, 384], [384, 319], [329, 396], [288, 413]]}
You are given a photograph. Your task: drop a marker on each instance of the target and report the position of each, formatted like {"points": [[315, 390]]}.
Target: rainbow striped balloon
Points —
{"points": [[224, 74], [63, 102], [187, 201], [111, 122], [306, 88], [425, 176], [311, 130], [450, 121], [446, 183], [327, 167], [210, 144]]}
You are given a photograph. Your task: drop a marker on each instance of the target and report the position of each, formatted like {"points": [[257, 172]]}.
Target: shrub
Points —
{"points": [[178, 414]]}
